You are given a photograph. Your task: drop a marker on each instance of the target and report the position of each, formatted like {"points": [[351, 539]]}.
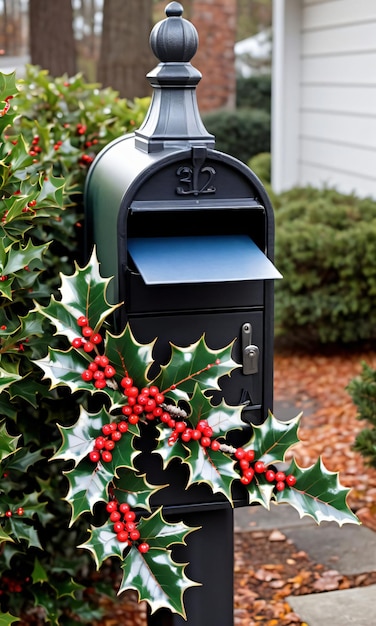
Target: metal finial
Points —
{"points": [[174, 9], [174, 39]]}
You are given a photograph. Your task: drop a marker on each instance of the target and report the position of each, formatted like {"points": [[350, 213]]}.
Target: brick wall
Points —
{"points": [[215, 21]]}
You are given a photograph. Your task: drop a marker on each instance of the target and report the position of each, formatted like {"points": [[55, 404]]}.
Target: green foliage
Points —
{"points": [[184, 407], [325, 250], [241, 133], [260, 164], [47, 142], [254, 92], [362, 390]]}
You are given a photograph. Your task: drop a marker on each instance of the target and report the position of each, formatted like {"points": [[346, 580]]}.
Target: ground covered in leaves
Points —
{"points": [[268, 567]]}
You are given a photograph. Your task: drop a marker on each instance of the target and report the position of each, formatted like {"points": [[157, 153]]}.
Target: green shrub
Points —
{"points": [[254, 92], [50, 131], [325, 249], [362, 390], [261, 164], [242, 133]]}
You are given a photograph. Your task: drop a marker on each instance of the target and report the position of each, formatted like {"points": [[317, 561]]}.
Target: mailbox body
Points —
{"points": [[197, 193]]}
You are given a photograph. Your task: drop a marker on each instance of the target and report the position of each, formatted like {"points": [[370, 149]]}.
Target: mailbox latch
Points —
{"points": [[250, 351]]}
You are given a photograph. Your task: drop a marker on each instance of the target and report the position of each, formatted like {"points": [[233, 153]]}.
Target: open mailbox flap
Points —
{"points": [[203, 259]]}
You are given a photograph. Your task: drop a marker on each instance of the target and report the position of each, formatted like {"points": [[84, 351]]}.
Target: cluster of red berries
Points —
{"points": [[89, 338], [19, 511], [148, 400], [105, 443], [35, 147], [249, 468], [12, 585], [125, 524], [202, 433]]}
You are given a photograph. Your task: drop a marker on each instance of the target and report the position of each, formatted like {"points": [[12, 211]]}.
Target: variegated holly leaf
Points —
{"points": [[88, 484], [9, 376], [317, 493], [159, 580], [134, 489], [273, 438], [196, 364], [205, 465], [78, 440], [8, 443], [129, 357], [83, 293], [7, 619]]}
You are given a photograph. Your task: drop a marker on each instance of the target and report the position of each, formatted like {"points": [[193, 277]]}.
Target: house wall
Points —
{"points": [[330, 113]]}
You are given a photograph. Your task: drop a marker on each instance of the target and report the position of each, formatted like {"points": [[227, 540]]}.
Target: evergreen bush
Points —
{"points": [[325, 250], [254, 92], [241, 133], [362, 390]]}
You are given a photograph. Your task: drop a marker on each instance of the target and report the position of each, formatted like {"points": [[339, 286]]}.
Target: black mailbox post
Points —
{"points": [[187, 233]]}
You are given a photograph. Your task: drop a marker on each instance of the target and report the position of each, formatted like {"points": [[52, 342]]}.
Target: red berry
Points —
{"points": [[159, 398], [92, 367], [77, 342], [130, 526], [153, 390], [87, 375], [82, 320], [137, 409], [103, 360], [239, 453], [280, 476], [131, 392], [186, 435], [133, 419], [157, 412], [129, 516], [109, 371], [107, 456], [109, 444], [96, 338], [124, 507], [243, 464], [88, 346], [165, 417], [143, 547], [99, 443], [87, 331], [259, 467], [245, 481], [134, 534], [111, 506], [127, 410], [291, 480], [250, 455], [270, 476], [98, 375], [180, 427], [106, 429], [249, 473], [8, 513], [215, 445], [20, 511], [122, 536], [205, 442], [201, 425], [280, 485], [100, 384], [196, 434], [116, 436], [126, 382], [142, 399], [150, 405], [123, 427], [208, 431], [118, 527], [115, 516], [94, 456]]}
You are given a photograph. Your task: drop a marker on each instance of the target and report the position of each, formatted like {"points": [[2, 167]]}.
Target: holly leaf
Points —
{"points": [[4, 536], [196, 364], [88, 484], [154, 575], [273, 438], [134, 489], [82, 293], [317, 494], [7, 378], [205, 465], [78, 440], [128, 356], [8, 444], [64, 368], [6, 619]]}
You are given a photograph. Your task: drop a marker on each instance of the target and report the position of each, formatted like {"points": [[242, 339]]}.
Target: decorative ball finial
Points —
{"points": [[174, 39]]}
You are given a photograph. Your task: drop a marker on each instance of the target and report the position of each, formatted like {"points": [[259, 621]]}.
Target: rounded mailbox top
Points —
{"points": [[174, 39]]}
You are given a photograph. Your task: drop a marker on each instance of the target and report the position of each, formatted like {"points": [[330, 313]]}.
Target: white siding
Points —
{"points": [[336, 83]]}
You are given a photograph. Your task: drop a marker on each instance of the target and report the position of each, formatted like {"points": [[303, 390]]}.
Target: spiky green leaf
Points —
{"points": [[318, 493], [134, 489], [88, 484], [196, 364], [273, 438], [128, 356], [8, 444]]}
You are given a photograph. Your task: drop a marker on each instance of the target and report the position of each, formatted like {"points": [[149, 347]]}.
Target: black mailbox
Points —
{"points": [[187, 232]]}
